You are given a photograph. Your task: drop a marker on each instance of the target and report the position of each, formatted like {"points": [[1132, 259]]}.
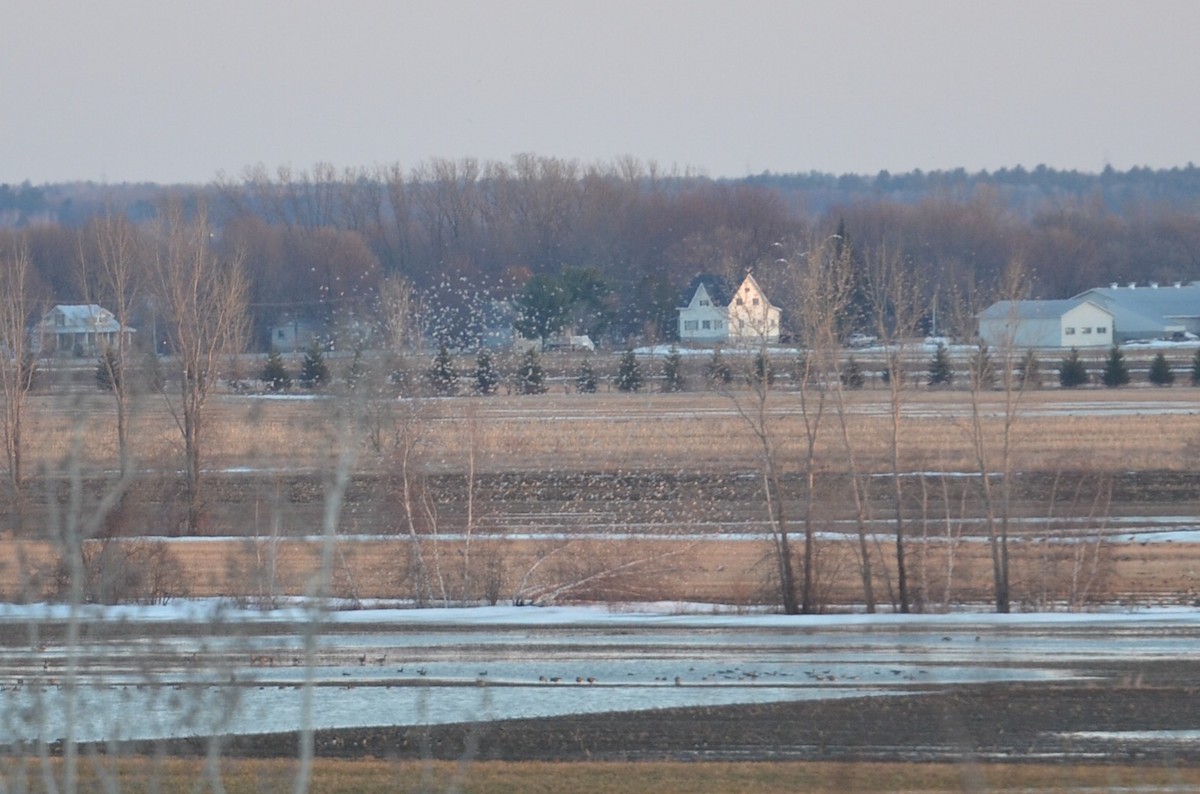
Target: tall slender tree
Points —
{"points": [[17, 362], [897, 303], [202, 293], [112, 271]]}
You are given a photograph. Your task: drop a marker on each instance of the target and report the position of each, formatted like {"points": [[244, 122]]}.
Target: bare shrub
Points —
{"points": [[123, 571], [594, 570]]}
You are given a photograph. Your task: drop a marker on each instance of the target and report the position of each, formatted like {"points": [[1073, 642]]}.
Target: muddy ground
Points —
{"points": [[991, 722], [253, 503]]}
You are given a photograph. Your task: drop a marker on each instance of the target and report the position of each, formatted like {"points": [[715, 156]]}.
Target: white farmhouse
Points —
{"points": [[76, 329], [1075, 322], [703, 318], [714, 315]]}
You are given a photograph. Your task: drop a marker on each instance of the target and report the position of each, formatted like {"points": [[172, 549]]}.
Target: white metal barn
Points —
{"points": [[1075, 322], [1149, 312]]}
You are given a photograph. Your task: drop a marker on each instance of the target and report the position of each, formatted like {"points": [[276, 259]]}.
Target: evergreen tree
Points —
{"points": [[275, 374], [718, 371], [442, 375], [314, 372], [763, 373], [1161, 373], [531, 378], [108, 373], [152, 373], [358, 370], [894, 367], [487, 377], [629, 372], [1072, 372], [672, 371], [852, 374], [801, 371], [585, 382], [1196, 368], [1115, 372], [940, 370], [983, 372], [1029, 371]]}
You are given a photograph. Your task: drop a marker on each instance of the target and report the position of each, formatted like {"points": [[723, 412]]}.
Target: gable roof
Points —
{"points": [[1180, 301], [757, 288], [716, 286], [87, 316], [1034, 309]]}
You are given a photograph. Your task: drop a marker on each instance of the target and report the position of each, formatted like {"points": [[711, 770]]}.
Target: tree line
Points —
{"points": [[625, 237]]}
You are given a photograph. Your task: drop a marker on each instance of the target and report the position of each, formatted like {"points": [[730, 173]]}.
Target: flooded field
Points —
{"points": [[162, 672]]}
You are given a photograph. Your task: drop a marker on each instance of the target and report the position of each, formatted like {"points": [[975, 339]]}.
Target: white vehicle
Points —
{"points": [[571, 343], [861, 340]]}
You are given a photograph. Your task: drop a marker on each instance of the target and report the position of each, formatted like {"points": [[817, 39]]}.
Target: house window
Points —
{"points": [[718, 325], [756, 301], [1069, 332], [705, 303], [1086, 330], [280, 334], [690, 325], [707, 325], [741, 302], [1101, 329]]}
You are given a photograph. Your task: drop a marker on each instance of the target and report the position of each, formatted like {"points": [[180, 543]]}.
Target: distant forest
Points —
{"points": [[320, 242]]}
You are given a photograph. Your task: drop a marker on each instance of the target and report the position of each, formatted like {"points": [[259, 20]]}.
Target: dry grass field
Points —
{"points": [[1133, 428], [493, 777], [266, 443]]}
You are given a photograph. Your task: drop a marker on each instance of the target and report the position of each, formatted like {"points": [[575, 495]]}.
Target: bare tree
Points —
{"points": [[895, 300], [111, 270], [398, 314], [822, 291], [203, 296], [757, 411], [17, 362], [991, 369]]}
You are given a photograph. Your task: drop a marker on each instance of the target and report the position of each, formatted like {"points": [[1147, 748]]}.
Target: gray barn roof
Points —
{"points": [[1033, 309], [1147, 310]]}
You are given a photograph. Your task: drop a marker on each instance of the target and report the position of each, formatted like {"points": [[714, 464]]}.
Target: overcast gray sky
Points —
{"points": [[177, 92]]}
